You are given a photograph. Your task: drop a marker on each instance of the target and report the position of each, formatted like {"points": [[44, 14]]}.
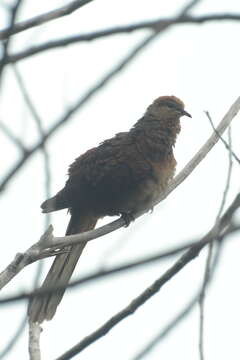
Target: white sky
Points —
{"points": [[200, 65]]}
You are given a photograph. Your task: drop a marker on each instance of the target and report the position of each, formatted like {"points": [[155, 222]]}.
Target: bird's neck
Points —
{"points": [[156, 137]]}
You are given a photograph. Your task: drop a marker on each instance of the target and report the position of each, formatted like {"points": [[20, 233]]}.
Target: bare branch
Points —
{"points": [[167, 329], [14, 338], [224, 229], [147, 293], [222, 139], [34, 338], [43, 18], [38, 122], [179, 317], [155, 26], [13, 14], [15, 140], [189, 6], [234, 109], [209, 267]]}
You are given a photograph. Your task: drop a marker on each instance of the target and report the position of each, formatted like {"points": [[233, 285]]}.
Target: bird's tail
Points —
{"points": [[44, 308]]}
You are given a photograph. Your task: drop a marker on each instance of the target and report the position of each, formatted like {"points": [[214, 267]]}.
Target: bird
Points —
{"points": [[123, 175]]}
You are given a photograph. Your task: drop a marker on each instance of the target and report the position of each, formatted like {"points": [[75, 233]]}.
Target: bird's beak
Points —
{"points": [[186, 113]]}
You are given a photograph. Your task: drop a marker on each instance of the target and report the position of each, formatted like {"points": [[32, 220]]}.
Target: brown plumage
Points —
{"points": [[122, 175]]}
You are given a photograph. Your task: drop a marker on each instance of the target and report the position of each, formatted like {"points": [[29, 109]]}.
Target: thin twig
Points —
{"points": [[13, 14], [167, 329], [13, 340], [209, 267], [15, 140], [189, 6], [154, 25], [43, 18], [222, 139], [38, 122]]}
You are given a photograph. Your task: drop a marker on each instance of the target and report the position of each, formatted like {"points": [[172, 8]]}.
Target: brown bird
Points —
{"points": [[121, 176]]}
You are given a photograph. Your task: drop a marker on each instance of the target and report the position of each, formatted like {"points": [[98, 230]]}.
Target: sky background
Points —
{"points": [[197, 63]]}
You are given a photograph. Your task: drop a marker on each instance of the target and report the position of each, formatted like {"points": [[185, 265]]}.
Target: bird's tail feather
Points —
{"points": [[57, 202], [44, 308]]}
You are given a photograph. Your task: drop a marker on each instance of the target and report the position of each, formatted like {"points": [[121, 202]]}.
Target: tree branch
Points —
{"points": [[43, 18], [178, 318], [13, 14], [151, 290], [34, 337], [222, 139], [209, 267], [155, 26], [224, 228], [15, 140]]}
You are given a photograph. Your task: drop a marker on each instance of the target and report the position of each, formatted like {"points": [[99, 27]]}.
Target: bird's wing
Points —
{"points": [[116, 162]]}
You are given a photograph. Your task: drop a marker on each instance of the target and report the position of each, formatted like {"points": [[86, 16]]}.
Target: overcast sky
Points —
{"points": [[200, 65]]}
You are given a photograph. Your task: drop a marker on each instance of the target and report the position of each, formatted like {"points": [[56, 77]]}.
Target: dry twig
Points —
{"points": [[209, 267]]}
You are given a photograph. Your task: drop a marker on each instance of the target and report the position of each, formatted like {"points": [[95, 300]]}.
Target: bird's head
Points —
{"points": [[167, 107]]}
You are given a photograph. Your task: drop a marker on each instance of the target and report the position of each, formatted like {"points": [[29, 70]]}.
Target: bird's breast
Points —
{"points": [[163, 172]]}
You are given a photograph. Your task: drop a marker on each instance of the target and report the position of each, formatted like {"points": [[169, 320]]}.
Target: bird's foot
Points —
{"points": [[128, 218]]}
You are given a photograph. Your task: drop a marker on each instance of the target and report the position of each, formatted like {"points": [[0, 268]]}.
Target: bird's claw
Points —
{"points": [[128, 218]]}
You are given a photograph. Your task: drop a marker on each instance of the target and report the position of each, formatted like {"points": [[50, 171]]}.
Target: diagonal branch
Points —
{"points": [[15, 140], [209, 267], [222, 139], [43, 18], [183, 313], [188, 256], [224, 228]]}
